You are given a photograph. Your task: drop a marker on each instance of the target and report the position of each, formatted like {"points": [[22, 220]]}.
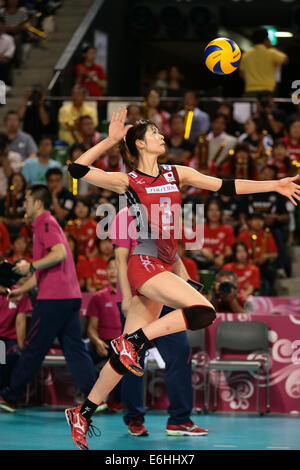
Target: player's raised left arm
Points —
{"points": [[286, 186]]}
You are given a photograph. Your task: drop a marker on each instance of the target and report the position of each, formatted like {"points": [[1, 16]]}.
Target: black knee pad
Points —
{"points": [[198, 316], [117, 365]]}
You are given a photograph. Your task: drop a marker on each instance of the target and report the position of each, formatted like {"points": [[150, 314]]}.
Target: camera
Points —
{"points": [[225, 288]]}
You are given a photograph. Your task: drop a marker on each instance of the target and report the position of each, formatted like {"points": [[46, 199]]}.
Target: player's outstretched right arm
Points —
{"points": [[114, 181]]}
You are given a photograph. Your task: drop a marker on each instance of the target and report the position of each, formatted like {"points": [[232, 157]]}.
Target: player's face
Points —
{"points": [[154, 141]]}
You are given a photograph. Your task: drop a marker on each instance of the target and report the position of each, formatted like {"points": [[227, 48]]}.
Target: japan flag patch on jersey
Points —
{"points": [[169, 176]]}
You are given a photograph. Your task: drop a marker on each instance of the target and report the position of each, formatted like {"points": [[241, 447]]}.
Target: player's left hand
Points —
{"points": [[22, 267], [287, 187]]}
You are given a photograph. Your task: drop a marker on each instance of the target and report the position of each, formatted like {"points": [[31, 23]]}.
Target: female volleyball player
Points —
{"points": [[151, 264]]}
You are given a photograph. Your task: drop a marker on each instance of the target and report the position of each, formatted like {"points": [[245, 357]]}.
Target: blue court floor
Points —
{"points": [[44, 429]]}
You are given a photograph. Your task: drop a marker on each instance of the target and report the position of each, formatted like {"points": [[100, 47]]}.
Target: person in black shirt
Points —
{"points": [[62, 199], [34, 111]]}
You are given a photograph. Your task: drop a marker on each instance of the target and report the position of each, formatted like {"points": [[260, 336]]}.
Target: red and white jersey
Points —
{"points": [[155, 204]]}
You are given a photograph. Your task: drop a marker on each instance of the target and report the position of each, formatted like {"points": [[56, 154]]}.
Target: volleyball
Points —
{"points": [[222, 56]]}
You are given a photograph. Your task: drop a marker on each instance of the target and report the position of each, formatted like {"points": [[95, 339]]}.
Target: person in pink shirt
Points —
{"points": [[56, 312], [104, 324], [12, 331]]}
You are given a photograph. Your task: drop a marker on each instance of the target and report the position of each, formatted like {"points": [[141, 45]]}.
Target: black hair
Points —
{"points": [[291, 121], [11, 111], [4, 141], [82, 118], [11, 177], [46, 137], [258, 123], [176, 116], [76, 146], [218, 116], [128, 148], [209, 203], [40, 192], [134, 105], [53, 171], [279, 143], [235, 247], [84, 202], [260, 35], [87, 48], [111, 258], [2, 20], [255, 215], [242, 147], [227, 272]]}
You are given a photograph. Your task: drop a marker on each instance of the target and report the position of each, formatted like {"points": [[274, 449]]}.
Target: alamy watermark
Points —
{"points": [[2, 92], [296, 94], [2, 353], [164, 221]]}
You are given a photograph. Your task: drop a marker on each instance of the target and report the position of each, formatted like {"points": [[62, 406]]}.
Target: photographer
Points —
{"points": [[35, 113], [224, 293]]}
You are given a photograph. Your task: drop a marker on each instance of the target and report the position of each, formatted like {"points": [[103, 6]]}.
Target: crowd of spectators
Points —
{"points": [[248, 235]]}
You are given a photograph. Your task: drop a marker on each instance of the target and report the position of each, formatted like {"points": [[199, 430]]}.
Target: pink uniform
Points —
{"points": [[59, 281], [103, 305], [8, 312], [122, 219]]}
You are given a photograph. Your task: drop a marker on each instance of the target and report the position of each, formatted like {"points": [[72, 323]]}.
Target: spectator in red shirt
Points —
{"points": [[262, 250], [247, 273], [292, 139], [82, 264], [19, 250], [112, 161], [83, 228], [90, 75], [4, 240], [99, 264], [12, 331], [218, 238], [189, 263], [280, 158], [240, 164], [200, 162]]}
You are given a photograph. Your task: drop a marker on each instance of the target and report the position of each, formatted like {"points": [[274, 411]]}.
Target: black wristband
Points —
{"points": [[228, 188], [77, 170]]}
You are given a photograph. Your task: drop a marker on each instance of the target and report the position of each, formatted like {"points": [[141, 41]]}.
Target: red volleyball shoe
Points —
{"points": [[136, 427], [185, 429], [4, 405], [128, 354], [80, 427]]}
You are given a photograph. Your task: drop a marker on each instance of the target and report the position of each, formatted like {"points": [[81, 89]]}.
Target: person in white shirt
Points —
{"points": [[7, 50], [219, 142]]}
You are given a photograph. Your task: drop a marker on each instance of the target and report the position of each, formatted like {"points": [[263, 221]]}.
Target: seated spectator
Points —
{"points": [[154, 113], [62, 199], [82, 264], [189, 263], [262, 249], [99, 264], [200, 162], [4, 240], [134, 113], [20, 141], [247, 273], [14, 17], [34, 112], [292, 139], [91, 75], [88, 135], [5, 165], [179, 149], [240, 164], [82, 186], [233, 127], [259, 64], [19, 250], [201, 120], [99, 196], [230, 207], [35, 169], [12, 331], [7, 50], [12, 209], [281, 160], [272, 118], [219, 142], [254, 135], [161, 81], [224, 293], [83, 228], [218, 239], [111, 161], [273, 206], [175, 81], [70, 113], [104, 323]]}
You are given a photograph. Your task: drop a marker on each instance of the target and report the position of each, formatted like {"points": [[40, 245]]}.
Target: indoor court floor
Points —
{"points": [[46, 429]]}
